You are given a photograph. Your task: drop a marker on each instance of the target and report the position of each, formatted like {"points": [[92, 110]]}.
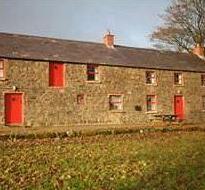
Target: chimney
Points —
{"points": [[109, 40], [199, 50]]}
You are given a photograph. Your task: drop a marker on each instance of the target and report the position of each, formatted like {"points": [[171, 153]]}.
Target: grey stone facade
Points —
{"points": [[49, 106]]}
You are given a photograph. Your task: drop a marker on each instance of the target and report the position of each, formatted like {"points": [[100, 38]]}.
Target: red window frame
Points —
{"points": [[150, 77], [203, 80], [92, 72], [56, 74], [151, 100], [80, 99], [177, 80], [2, 69], [116, 105], [203, 103]]}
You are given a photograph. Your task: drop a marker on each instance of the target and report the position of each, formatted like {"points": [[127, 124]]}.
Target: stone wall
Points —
{"points": [[46, 106]]}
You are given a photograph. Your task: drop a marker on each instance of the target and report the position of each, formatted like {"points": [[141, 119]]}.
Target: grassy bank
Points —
{"points": [[173, 160]]}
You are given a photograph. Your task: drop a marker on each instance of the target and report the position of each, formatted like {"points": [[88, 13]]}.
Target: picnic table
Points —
{"points": [[166, 117]]}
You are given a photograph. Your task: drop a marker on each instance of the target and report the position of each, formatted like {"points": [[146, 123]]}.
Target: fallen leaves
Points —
{"points": [[109, 162]]}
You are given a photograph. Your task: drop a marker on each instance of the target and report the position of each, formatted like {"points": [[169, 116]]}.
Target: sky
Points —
{"points": [[131, 21]]}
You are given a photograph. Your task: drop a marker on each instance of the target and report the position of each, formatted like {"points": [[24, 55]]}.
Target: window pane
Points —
{"points": [[151, 103], [80, 99], [178, 78], [91, 69], [203, 80], [1, 73], [91, 77], [92, 73], [115, 99], [115, 102], [175, 78], [149, 107], [150, 77], [1, 64], [203, 102]]}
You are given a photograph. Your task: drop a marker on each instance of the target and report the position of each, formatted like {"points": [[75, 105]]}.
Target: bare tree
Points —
{"points": [[183, 27]]}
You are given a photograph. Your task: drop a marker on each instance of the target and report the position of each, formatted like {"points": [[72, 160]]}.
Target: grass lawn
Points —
{"points": [[173, 160]]}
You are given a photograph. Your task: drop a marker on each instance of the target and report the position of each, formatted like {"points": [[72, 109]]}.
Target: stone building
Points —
{"points": [[48, 82]]}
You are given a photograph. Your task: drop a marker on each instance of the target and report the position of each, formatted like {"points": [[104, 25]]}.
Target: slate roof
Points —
{"points": [[49, 49]]}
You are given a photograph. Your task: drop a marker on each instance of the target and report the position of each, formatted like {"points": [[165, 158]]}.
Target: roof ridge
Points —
{"points": [[47, 37], [88, 42], [152, 49]]}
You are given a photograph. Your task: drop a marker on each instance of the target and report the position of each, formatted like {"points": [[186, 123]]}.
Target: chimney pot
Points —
{"points": [[109, 40], [199, 50]]}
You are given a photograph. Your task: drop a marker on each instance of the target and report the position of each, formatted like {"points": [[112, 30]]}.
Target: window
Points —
{"points": [[2, 69], [92, 73], [56, 74], [151, 103], [116, 102], [178, 78], [150, 77], [203, 102], [203, 80], [80, 99]]}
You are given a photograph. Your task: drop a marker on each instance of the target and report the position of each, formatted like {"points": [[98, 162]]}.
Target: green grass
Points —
{"points": [[131, 161]]}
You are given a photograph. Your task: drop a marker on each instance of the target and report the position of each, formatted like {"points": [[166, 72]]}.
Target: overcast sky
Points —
{"points": [[130, 20]]}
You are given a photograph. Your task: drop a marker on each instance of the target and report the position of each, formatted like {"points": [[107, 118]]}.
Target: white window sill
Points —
{"points": [[179, 85], [154, 84], [93, 81], [151, 112], [117, 111], [2, 79]]}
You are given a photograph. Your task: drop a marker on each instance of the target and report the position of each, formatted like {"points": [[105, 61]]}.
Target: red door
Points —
{"points": [[179, 107], [56, 75], [13, 108]]}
